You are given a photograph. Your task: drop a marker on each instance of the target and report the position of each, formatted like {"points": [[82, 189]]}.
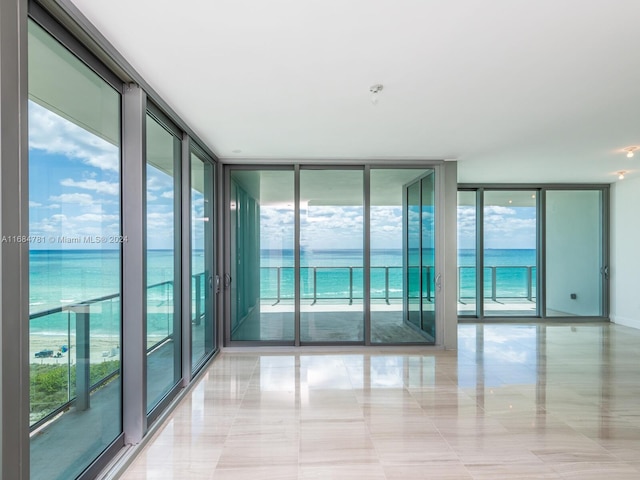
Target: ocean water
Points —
{"points": [[336, 270], [62, 277], [66, 277]]}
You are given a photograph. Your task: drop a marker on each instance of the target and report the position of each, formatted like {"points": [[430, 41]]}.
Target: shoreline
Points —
{"points": [[102, 348]]}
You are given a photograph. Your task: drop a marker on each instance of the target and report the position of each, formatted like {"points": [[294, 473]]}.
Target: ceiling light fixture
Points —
{"points": [[375, 90], [630, 151], [621, 175]]}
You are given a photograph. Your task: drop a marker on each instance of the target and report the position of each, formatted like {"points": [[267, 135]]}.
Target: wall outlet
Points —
{"points": [[573, 296]]}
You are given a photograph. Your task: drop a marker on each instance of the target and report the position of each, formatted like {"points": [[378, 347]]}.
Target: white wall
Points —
{"points": [[625, 252]]}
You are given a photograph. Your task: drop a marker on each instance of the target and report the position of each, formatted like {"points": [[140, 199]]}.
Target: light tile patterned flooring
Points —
{"points": [[514, 402]]}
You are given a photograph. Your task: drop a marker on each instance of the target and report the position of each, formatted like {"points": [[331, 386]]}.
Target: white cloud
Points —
{"points": [[55, 135], [498, 210], [160, 230], [276, 227], [86, 224], [168, 194], [157, 180], [94, 217], [73, 198], [110, 188], [33, 204], [160, 222], [329, 227]]}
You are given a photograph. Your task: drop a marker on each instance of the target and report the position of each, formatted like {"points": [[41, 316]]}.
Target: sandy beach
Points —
{"points": [[102, 349]]}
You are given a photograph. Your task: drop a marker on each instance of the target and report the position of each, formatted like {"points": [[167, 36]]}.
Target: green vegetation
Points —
{"points": [[49, 385]]}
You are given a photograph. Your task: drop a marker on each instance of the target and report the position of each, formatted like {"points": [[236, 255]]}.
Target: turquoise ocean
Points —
{"points": [[62, 277]]}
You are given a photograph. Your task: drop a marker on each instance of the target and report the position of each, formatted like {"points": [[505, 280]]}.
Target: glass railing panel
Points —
{"points": [[50, 383]]}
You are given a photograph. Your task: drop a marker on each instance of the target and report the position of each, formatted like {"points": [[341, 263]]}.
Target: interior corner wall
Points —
{"points": [[625, 253]]}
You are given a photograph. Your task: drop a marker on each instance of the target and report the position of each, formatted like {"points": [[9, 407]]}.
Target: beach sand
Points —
{"points": [[102, 349]]}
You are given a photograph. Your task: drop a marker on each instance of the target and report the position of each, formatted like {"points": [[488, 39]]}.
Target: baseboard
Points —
{"points": [[626, 321]]}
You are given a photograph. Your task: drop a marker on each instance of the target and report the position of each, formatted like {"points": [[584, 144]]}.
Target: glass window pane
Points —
{"points": [[428, 254], [467, 253], [74, 270], [262, 255], [574, 253], [510, 253], [413, 255], [387, 285], [163, 262], [202, 262], [331, 255]]}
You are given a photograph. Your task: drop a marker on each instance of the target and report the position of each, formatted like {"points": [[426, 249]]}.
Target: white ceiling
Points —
{"points": [[516, 91]]}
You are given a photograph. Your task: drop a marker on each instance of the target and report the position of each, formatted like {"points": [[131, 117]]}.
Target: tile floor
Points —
{"points": [[514, 402]]}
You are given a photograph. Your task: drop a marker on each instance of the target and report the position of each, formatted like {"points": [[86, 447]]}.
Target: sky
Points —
{"points": [[330, 227], [504, 227], [74, 195], [74, 189]]}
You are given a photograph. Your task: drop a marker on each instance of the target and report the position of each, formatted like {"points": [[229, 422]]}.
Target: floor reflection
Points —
{"points": [[515, 401]]}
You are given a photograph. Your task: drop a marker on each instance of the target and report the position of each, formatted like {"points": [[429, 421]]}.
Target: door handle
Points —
{"points": [[439, 282], [217, 283], [605, 271], [227, 280]]}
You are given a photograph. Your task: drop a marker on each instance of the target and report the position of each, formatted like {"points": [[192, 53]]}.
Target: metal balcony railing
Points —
{"points": [[337, 283], [80, 381]]}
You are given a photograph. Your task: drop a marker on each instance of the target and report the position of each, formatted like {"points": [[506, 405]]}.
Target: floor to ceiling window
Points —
{"points": [[421, 276], [75, 256], [163, 260], [510, 252], [575, 264], [204, 282], [97, 298], [467, 253], [389, 212], [331, 255], [571, 232], [261, 238], [319, 255]]}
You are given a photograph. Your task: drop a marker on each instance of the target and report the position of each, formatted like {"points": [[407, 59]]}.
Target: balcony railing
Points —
{"points": [[345, 283], [81, 379], [55, 387]]}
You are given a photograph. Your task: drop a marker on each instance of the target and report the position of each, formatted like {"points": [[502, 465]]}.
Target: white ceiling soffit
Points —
{"points": [[516, 91]]}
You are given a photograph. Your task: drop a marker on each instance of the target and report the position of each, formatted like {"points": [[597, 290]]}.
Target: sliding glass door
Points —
{"points": [[421, 276], [75, 386], [203, 280], [394, 231], [331, 255], [261, 270], [575, 262], [163, 260], [533, 252], [510, 253]]}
